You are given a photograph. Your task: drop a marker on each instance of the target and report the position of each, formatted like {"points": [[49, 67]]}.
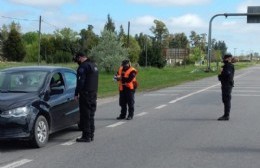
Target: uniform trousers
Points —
{"points": [[127, 98], [87, 107], [226, 99]]}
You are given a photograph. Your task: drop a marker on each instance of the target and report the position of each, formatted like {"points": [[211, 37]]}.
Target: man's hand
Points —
{"points": [[76, 98]]}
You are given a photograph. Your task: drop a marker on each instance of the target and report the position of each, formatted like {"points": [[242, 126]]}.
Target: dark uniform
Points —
{"points": [[227, 83], [127, 85], [87, 86]]}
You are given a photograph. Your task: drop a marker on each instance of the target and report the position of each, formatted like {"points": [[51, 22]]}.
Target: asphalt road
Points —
{"points": [[175, 127]]}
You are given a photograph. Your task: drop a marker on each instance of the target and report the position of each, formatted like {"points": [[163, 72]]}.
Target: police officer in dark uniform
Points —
{"points": [[86, 93], [126, 77], [227, 83]]}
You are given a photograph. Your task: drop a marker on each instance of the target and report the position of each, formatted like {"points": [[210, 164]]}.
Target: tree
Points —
{"points": [[216, 56], [13, 47], [131, 44], [134, 50], [198, 40], [156, 57], [122, 35], [109, 52], [30, 37], [220, 45], [88, 39], [197, 55], [179, 40], [160, 31], [31, 52], [4, 36], [31, 46], [69, 40], [143, 41], [110, 25], [48, 48]]}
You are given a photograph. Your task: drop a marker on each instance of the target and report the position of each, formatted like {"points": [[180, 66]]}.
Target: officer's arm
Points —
{"points": [[228, 73], [81, 79], [131, 77]]}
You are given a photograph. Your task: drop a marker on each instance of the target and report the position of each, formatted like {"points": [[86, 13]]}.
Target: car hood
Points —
{"points": [[14, 100]]}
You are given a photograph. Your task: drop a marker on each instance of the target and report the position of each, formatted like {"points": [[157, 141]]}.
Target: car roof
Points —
{"points": [[36, 68]]}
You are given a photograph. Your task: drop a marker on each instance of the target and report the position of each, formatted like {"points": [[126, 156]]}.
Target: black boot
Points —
{"points": [[120, 117], [92, 137], [129, 117], [223, 118], [83, 138]]}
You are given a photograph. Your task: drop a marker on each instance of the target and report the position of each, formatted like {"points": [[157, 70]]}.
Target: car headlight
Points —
{"points": [[17, 112]]}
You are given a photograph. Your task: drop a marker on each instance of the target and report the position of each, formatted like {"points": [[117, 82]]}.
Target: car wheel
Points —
{"points": [[41, 132]]}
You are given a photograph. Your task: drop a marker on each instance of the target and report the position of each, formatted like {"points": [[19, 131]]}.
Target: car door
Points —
{"points": [[72, 113], [58, 101]]}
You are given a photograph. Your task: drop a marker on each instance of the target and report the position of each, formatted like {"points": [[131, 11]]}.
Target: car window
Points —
{"points": [[57, 80], [70, 79], [2, 77], [23, 81]]}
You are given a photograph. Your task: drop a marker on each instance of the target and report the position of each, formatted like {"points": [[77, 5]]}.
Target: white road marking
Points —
{"points": [[193, 93], [161, 106], [202, 90], [141, 114], [249, 95], [69, 143], [116, 124], [17, 163], [159, 94]]}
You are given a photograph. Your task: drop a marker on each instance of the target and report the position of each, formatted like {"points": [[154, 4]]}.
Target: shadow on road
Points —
{"points": [[58, 137]]}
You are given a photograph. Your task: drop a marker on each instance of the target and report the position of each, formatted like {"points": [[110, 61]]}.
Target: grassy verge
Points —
{"points": [[148, 78]]}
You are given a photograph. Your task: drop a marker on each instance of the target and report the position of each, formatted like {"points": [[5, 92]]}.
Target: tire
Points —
{"points": [[40, 132]]}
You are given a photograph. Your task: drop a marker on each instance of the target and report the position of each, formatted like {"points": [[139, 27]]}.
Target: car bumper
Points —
{"points": [[15, 127]]}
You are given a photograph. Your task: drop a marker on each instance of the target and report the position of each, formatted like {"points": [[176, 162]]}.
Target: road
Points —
{"points": [[175, 127]]}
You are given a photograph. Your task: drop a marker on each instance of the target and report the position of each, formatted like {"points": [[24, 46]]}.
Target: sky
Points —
{"points": [[179, 16]]}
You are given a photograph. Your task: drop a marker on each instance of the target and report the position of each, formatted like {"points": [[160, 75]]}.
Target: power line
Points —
{"points": [[34, 20], [50, 24], [7, 17]]}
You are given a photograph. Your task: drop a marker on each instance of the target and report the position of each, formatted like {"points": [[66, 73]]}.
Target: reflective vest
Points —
{"points": [[131, 85]]}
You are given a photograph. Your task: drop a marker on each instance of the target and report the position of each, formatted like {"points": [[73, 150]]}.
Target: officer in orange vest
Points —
{"points": [[126, 77]]}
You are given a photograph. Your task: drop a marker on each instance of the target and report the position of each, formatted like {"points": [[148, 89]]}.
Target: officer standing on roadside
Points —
{"points": [[86, 93], [126, 77], [227, 83]]}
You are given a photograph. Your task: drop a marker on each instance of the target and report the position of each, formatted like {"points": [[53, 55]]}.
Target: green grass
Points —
{"points": [[148, 78]]}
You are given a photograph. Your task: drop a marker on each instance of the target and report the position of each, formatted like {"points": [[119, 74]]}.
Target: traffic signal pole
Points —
{"points": [[210, 27]]}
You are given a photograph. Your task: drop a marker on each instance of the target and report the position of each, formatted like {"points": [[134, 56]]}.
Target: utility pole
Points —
{"points": [[39, 41], [145, 51], [128, 34]]}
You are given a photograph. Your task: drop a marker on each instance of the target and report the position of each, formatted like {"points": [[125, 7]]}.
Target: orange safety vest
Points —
{"points": [[130, 85]]}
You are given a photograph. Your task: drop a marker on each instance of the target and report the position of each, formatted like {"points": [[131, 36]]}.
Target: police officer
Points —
{"points": [[227, 83], [126, 77], [86, 93]]}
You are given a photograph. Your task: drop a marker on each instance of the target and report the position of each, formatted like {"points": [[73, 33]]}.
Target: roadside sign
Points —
{"points": [[251, 18]]}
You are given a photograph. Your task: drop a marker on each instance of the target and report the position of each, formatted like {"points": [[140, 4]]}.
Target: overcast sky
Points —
{"points": [[178, 15]]}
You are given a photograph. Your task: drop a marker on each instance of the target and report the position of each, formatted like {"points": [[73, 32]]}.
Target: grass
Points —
{"points": [[148, 78]]}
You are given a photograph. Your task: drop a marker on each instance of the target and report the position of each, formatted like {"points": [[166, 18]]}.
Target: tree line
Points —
{"points": [[108, 49]]}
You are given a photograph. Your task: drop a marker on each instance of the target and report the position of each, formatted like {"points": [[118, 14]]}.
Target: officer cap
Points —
{"points": [[77, 55], [227, 56], [80, 54], [125, 62]]}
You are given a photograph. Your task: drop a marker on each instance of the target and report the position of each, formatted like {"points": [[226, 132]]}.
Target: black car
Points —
{"points": [[36, 101]]}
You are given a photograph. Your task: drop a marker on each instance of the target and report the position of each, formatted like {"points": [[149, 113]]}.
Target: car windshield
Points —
{"points": [[27, 81]]}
